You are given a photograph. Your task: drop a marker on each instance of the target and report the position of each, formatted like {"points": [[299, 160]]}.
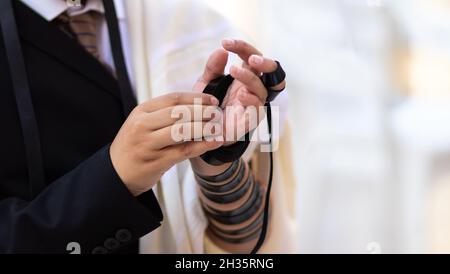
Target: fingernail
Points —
{"points": [[257, 60], [214, 101], [228, 42]]}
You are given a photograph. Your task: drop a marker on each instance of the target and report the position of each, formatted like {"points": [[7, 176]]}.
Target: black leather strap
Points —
{"points": [[240, 231], [244, 215], [126, 90], [254, 200], [219, 87], [273, 94], [263, 234], [270, 80], [233, 196], [226, 154], [274, 78], [237, 240], [224, 175], [225, 187], [23, 98]]}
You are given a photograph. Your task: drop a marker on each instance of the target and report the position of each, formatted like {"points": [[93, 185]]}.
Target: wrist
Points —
{"points": [[128, 181]]}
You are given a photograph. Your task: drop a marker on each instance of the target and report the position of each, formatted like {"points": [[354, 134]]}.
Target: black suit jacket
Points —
{"points": [[79, 111]]}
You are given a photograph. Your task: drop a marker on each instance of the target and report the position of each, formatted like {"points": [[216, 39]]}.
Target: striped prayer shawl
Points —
{"points": [[170, 43]]}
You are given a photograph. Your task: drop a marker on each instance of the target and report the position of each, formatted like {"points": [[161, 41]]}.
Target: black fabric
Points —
{"points": [[227, 174], [22, 97], [238, 240], [222, 188], [241, 231], [126, 91], [254, 200], [242, 217], [233, 196], [78, 111]]}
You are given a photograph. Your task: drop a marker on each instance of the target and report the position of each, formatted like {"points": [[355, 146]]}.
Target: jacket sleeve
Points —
{"points": [[89, 207]]}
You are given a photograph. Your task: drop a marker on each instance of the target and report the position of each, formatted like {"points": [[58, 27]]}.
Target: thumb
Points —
{"points": [[215, 67]]}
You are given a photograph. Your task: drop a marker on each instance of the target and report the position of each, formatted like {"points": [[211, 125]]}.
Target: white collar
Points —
{"points": [[50, 9]]}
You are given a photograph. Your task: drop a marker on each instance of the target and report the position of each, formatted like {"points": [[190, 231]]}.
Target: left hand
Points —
{"points": [[247, 89]]}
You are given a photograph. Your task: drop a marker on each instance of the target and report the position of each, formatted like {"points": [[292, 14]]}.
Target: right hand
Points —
{"points": [[144, 149]]}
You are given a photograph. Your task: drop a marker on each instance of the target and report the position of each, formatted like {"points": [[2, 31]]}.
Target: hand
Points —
{"points": [[144, 149], [246, 91]]}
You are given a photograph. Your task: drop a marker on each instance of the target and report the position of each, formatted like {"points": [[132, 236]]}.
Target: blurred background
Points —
{"points": [[370, 105]]}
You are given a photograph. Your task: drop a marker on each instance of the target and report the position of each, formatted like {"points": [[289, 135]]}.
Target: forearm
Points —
{"points": [[89, 205], [233, 202]]}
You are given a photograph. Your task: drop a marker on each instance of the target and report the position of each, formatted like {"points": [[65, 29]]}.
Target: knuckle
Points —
{"points": [[242, 43], [210, 67], [138, 125], [140, 155], [206, 98], [141, 152], [244, 73], [175, 98], [173, 115], [186, 150], [251, 77]]}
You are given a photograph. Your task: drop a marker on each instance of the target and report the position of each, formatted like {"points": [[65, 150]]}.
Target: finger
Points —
{"points": [[242, 120], [185, 132], [265, 65], [188, 150], [243, 49], [249, 99], [251, 81], [186, 113], [178, 98], [262, 64], [215, 67]]}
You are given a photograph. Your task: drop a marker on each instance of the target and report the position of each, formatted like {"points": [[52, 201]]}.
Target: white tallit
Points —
{"points": [[170, 43]]}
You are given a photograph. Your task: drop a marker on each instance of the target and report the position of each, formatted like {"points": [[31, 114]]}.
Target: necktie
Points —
{"points": [[83, 28]]}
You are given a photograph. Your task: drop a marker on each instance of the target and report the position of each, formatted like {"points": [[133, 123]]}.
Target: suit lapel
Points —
{"points": [[48, 38]]}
